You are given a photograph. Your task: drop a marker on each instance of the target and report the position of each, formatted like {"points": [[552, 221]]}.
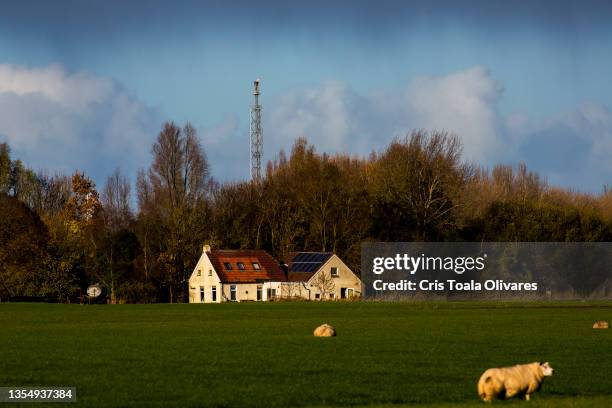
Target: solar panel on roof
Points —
{"points": [[299, 257], [305, 266], [310, 257], [308, 261], [300, 267]]}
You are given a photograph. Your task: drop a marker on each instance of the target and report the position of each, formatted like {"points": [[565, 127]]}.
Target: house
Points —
{"points": [[320, 276], [254, 275], [233, 275]]}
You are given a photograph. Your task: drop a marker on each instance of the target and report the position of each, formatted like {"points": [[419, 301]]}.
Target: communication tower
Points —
{"points": [[256, 135]]}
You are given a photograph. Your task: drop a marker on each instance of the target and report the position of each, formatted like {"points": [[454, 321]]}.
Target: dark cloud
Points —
{"points": [[61, 19]]}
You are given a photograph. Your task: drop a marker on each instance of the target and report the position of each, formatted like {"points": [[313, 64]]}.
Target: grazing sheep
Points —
{"points": [[507, 382], [325, 330], [601, 325]]}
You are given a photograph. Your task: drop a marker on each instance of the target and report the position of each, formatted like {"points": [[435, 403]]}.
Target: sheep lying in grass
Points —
{"points": [[325, 330], [601, 325]]}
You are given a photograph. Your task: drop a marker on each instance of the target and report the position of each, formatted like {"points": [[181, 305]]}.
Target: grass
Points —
{"points": [[264, 354]]}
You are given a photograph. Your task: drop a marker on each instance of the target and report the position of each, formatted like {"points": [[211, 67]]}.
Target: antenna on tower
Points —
{"points": [[256, 135]]}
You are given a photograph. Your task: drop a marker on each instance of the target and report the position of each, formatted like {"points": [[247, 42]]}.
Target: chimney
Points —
{"points": [[206, 248]]}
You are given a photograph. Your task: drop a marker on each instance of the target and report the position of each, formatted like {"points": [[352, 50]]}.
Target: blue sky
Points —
{"points": [[87, 84]]}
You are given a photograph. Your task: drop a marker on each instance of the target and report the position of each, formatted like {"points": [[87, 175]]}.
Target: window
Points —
{"points": [[214, 294], [271, 293], [210, 272], [233, 293], [334, 271], [240, 266], [199, 272], [228, 266], [259, 292], [201, 294], [317, 296], [256, 266], [331, 295]]}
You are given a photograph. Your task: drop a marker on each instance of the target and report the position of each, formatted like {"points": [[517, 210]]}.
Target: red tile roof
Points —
{"points": [[270, 268]]}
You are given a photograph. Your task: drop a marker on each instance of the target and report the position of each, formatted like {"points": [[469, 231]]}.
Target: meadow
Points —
{"points": [[264, 354]]}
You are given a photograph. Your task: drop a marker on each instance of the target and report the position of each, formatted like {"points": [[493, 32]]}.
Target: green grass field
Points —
{"points": [[264, 354]]}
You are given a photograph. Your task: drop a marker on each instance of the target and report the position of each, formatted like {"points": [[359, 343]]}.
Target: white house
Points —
{"points": [[253, 275], [233, 275], [320, 276]]}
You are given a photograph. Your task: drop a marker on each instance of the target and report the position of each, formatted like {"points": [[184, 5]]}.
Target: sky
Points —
{"points": [[87, 84]]}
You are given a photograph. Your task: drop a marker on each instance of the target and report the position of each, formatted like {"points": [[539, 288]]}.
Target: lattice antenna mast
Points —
{"points": [[256, 135]]}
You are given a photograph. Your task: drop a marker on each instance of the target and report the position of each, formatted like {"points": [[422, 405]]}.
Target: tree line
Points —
{"points": [[59, 233]]}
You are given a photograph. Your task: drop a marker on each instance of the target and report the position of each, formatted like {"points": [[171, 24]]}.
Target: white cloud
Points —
{"points": [[64, 121], [464, 103], [572, 149], [319, 113], [336, 118], [75, 91]]}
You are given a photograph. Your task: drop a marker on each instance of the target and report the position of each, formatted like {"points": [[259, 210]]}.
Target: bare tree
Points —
{"points": [[195, 169], [117, 216], [51, 194], [179, 171], [416, 183], [116, 201], [291, 290], [171, 195], [324, 283]]}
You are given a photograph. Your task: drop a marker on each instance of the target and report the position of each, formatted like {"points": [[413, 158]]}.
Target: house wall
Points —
{"points": [[345, 279], [284, 290], [294, 290], [207, 279], [244, 291]]}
